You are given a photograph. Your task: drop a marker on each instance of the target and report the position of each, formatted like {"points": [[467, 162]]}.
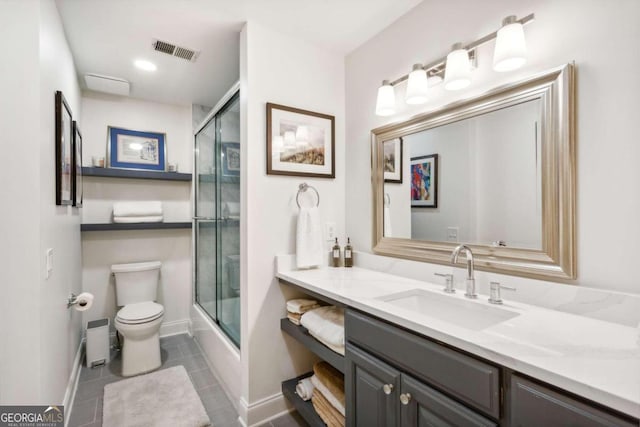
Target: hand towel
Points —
{"points": [[387, 221], [294, 317], [330, 384], [309, 238], [137, 209], [337, 348], [301, 305], [135, 219], [329, 414], [304, 388], [327, 323]]}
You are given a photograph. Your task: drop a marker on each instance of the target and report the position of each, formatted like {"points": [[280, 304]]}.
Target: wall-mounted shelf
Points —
{"points": [[135, 226], [301, 334], [305, 409], [135, 174]]}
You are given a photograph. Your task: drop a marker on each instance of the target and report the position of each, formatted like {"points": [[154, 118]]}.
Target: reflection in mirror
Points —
{"points": [[496, 172], [477, 181]]}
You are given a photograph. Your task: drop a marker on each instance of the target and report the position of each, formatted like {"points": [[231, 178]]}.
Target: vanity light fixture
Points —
{"points": [[417, 86], [455, 68]]}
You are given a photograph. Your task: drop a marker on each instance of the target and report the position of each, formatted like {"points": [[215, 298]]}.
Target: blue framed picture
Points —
{"points": [[132, 149], [230, 159]]}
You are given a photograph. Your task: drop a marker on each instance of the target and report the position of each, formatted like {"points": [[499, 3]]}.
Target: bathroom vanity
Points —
{"points": [[417, 356]]}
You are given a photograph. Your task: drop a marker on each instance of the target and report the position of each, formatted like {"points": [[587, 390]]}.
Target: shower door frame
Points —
{"points": [[222, 103]]}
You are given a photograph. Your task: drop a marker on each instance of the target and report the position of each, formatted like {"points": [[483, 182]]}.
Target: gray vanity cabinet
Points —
{"points": [[371, 388], [534, 405]]}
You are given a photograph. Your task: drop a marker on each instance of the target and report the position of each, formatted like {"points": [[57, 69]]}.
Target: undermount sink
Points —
{"points": [[467, 314]]}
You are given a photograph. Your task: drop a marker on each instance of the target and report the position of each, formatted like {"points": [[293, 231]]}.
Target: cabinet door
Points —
{"points": [[371, 389], [534, 405], [423, 406]]}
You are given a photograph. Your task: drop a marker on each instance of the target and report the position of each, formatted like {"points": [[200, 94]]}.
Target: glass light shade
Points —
{"points": [[511, 49], [278, 144], [302, 133], [289, 139], [386, 102], [434, 80], [457, 74], [417, 86]]}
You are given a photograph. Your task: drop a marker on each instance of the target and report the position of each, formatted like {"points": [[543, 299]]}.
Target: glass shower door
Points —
{"points": [[217, 219]]}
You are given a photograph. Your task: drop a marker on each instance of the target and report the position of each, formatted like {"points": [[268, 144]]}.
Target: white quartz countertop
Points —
{"points": [[592, 358]]}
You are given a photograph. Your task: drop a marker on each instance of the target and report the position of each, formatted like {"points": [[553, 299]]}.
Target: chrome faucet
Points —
{"points": [[471, 281]]}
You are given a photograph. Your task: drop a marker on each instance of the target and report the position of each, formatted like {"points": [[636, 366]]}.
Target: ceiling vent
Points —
{"points": [[174, 50]]}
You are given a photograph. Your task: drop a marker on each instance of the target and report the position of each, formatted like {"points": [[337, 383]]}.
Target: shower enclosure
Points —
{"points": [[217, 217]]}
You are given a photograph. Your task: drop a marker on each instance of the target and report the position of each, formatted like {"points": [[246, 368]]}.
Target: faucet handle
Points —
{"points": [[449, 282], [494, 292]]}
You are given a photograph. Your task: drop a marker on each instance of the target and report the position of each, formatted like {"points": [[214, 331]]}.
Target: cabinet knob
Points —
{"points": [[387, 388], [405, 398]]}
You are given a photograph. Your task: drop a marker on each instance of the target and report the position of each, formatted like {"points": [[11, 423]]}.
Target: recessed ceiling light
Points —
{"points": [[145, 65]]}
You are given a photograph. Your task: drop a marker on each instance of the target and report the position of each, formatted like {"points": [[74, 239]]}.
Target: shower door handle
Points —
{"points": [[205, 218]]}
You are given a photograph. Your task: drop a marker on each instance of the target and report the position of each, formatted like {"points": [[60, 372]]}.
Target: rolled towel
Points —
{"points": [[324, 409], [301, 305], [121, 209], [309, 252], [304, 388], [326, 323], [135, 219], [294, 317], [330, 382]]}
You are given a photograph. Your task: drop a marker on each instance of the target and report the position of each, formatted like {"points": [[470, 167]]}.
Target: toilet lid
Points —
{"points": [[140, 312]]}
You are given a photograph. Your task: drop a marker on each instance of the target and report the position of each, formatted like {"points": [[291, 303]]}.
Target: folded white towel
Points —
{"points": [[304, 388], [121, 209], [326, 323], [337, 348], [327, 395], [135, 219], [230, 209], [309, 238], [387, 222], [301, 305]]}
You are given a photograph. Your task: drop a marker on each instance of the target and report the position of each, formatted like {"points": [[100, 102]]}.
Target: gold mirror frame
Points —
{"points": [[557, 257]]}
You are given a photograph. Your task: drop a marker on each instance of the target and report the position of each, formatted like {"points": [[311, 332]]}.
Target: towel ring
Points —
{"points": [[387, 199], [303, 188]]}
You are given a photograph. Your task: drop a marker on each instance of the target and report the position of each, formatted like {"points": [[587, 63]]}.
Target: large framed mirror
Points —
{"points": [[496, 172]]}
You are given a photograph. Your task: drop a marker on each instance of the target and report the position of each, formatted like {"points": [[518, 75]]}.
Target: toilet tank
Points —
{"points": [[136, 282]]}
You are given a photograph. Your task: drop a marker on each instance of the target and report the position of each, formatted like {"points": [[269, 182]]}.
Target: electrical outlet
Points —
{"points": [[49, 257], [330, 231], [452, 234]]}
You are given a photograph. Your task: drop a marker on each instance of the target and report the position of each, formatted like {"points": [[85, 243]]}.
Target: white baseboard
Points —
{"points": [[263, 410], [175, 327], [72, 385]]}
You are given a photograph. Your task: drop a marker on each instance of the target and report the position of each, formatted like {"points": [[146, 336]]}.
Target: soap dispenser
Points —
{"points": [[335, 255], [348, 254]]}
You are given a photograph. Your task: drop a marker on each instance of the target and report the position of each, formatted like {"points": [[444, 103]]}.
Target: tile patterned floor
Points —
{"points": [[175, 350]]}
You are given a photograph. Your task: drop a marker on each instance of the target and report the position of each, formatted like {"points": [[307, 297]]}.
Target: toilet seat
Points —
{"points": [[142, 312]]}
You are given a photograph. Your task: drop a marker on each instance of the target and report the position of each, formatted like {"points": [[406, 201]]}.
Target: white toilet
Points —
{"points": [[140, 317]]}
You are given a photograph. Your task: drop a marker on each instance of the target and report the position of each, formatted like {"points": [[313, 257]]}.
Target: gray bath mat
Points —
{"points": [[162, 398]]}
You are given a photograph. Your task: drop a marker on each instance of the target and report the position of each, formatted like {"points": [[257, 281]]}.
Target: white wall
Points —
{"points": [[172, 247], [591, 32], [300, 75], [39, 336]]}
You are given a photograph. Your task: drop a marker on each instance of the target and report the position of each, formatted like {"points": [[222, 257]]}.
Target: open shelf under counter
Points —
{"points": [[135, 174], [305, 409], [301, 334], [135, 226]]}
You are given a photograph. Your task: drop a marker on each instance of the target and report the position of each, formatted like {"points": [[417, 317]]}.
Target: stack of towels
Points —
{"points": [[326, 324], [129, 212], [326, 391], [297, 307]]}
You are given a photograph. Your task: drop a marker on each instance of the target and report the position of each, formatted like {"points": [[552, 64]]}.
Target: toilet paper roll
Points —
{"points": [[84, 301]]}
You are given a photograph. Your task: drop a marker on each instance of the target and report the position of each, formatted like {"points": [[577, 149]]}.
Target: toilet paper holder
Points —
{"points": [[73, 300]]}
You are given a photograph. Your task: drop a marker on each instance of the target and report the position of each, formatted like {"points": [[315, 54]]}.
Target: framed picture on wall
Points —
{"points": [[300, 142], [424, 181], [76, 179], [230, 159], [134, 149], [393, 161], [64, 141]]}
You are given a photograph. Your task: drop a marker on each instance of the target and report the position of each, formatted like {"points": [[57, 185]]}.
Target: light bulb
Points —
{"points": [[417, 86], [386, 102], [511, 49], [457, 74]]}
